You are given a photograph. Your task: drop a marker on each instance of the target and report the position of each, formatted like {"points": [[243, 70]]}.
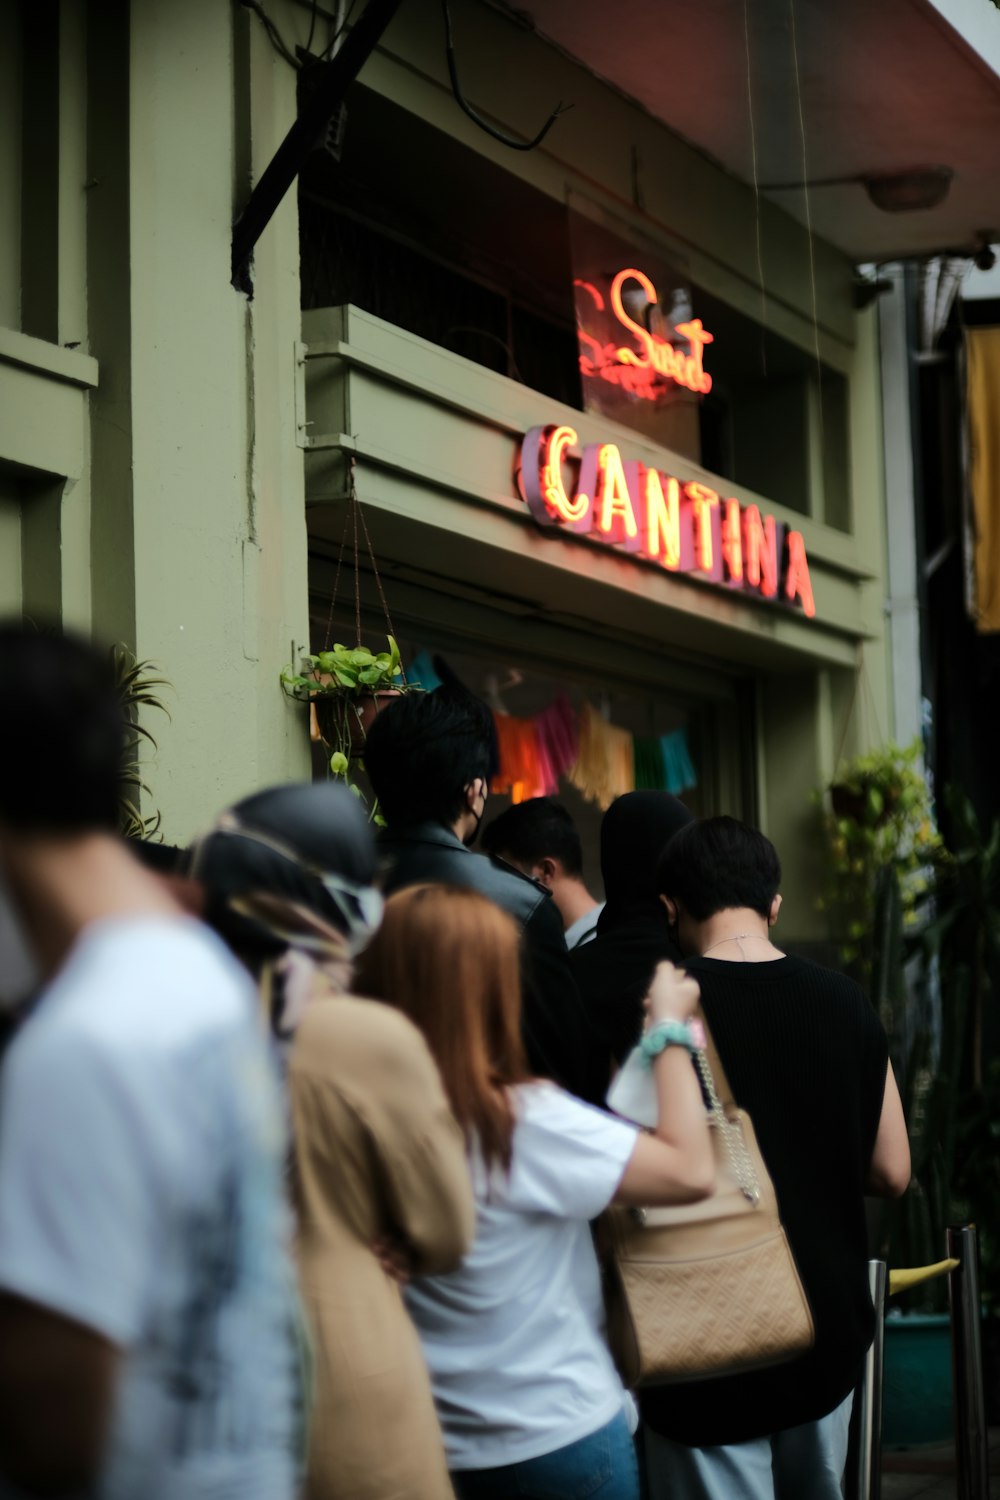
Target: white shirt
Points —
{"points": [[514, 1339], [140, 1195], [584, 929]]}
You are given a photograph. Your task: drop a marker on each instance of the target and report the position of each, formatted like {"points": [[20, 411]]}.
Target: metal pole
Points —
{"points": [[971, 1439], [864, 1482], [283, 168]]}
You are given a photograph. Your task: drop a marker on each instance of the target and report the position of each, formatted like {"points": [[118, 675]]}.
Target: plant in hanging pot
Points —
{"points": [[877, 816], [346, 687]]}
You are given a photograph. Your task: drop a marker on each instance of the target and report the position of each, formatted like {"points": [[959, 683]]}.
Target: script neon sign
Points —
{"points": [[654, 361], [684, 527]]}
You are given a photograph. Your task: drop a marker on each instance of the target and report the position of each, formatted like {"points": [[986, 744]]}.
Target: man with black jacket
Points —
{"points": [[430, 757]]}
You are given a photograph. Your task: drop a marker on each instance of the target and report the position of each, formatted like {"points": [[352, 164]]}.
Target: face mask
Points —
{"points": [[470, 838], [20, 973]]}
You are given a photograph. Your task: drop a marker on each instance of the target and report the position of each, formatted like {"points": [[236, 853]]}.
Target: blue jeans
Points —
{"points": [[603, 1466]]}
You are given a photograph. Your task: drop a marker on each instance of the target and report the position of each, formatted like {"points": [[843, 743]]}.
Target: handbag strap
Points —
{"points": [[715, 1083]]}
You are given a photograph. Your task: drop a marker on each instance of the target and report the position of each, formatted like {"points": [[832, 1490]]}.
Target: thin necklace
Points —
{"points": [[738, 937]]}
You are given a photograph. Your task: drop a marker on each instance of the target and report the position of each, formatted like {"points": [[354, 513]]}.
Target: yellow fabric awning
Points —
{"points": [[983, 396]]}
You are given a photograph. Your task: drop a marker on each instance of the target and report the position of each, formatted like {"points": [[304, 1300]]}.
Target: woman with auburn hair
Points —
{"points": [[529, 1400]]}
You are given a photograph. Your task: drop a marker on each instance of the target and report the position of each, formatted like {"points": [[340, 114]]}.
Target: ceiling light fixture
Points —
{"points": [[908, 190]]}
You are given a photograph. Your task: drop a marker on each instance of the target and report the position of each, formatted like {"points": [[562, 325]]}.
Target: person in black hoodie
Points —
{"points": [[430, 757], [613, 972]]}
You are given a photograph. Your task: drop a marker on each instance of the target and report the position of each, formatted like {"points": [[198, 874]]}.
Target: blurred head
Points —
{"points": [[717, 865], [537, 836], [63, 737], [449, 959], [63, 734], [291, 867], [430, 757], [634, 832]]}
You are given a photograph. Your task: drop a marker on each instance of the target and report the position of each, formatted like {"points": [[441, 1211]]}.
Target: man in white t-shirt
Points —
{"points": [[147, 1330]]}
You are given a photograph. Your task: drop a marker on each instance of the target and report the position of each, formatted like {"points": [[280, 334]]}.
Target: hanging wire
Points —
{"points": [[809, 232], [338, 31], [336, 580], [354, 517], [273, 34], [756, 190], [475, 116], [312, 26]]}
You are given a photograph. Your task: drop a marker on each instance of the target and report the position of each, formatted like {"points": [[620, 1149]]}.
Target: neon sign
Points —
{"points": [[683, 526], [655, 363]]}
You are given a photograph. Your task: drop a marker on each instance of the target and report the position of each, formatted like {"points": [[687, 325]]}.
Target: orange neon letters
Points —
{"points": [[703, 501], [797, 580], [612, 502], [682, 528], [662, 512], [657, 355], [553, 489], [732, 540], [760, 551]]}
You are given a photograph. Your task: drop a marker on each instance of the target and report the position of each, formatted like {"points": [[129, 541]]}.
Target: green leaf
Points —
{"points": [[339, 763], [370, 676]]}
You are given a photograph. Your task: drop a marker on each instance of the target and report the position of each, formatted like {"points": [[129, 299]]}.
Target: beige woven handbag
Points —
{"points": [[711, 1288]]}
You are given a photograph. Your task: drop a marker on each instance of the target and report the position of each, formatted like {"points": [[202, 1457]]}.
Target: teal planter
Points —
{"points": [[916, 1393]]}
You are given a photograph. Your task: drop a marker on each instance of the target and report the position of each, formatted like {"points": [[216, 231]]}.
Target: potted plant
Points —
{"points": [[877, 816], [928, 945], [345, 687]]}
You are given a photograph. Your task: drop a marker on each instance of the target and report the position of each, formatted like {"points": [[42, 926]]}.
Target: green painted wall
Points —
{"points": [[160, 489], [160, 495]]}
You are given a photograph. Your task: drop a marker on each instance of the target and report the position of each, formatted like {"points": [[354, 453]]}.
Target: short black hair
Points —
{"points": [[719, 863], [424, 749], [63, 736], [539, 828]]}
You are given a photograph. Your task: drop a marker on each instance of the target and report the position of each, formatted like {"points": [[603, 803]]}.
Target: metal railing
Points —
{"points": [[863, 1480]]}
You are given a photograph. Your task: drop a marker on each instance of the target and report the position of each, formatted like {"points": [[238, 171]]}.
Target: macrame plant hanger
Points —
{"points": [[355, 524], [353, 517]]}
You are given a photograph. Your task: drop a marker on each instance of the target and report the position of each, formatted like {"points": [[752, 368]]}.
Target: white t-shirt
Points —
{"points": [[141, 1148], [514, 1339]]}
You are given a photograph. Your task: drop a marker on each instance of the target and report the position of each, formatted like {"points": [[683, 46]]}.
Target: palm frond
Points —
{"points": [[137, 683]]}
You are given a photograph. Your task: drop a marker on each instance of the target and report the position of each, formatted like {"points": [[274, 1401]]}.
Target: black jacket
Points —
{"points": [[552, 1021]]}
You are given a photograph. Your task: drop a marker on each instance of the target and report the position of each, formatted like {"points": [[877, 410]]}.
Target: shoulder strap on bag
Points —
{"points": [[718, 1072], [725, 1117]]}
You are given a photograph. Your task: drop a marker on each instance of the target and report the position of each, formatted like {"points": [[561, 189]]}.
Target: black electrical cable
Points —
{"points": [[312, 26], [339, 31], [274, 35], [475, 117]]}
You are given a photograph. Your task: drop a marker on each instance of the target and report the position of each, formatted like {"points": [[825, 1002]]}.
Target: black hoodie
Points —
{"points": [[613, 972]]}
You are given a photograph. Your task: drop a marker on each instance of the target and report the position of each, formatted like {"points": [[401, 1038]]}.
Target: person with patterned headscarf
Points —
{"points": [[378, 1160]]}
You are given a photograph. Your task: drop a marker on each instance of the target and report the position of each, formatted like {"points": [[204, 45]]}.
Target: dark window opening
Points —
{"points": [[417, 229]]}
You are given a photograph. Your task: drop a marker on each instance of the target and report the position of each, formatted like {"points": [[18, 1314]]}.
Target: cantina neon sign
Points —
{"points": [[656, 361], [684, 527]]}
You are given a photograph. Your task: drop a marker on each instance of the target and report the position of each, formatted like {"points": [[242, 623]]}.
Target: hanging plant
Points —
{"points": [[346, 687]]}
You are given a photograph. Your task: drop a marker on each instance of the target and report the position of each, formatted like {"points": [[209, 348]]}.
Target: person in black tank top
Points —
{"points": [[807, 1058]]}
